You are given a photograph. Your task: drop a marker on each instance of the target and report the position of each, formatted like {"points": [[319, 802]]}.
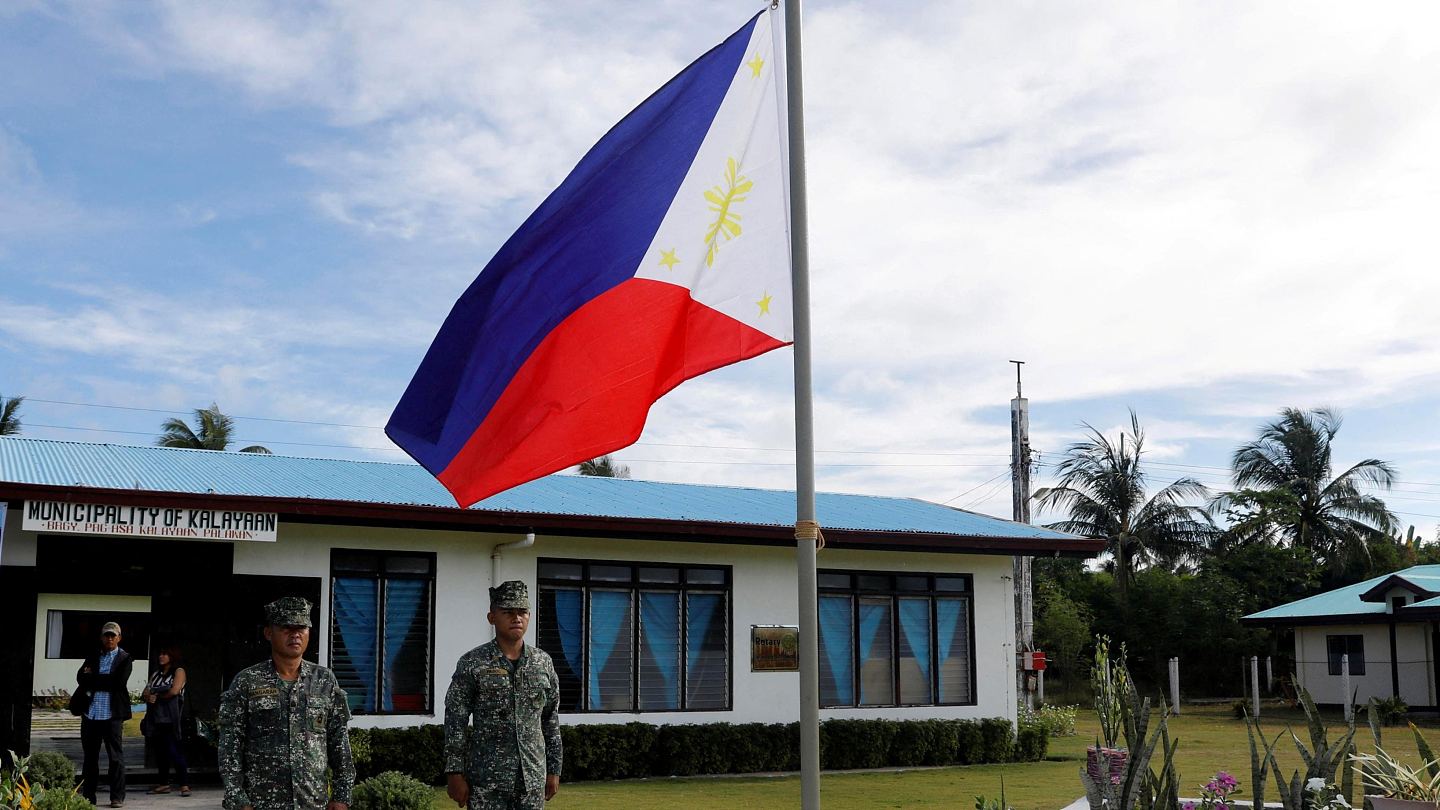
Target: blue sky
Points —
{"points": [[1204, 213]]}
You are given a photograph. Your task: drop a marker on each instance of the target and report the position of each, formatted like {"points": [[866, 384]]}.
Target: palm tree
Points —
{"points": [[10, 416], [604, 467], [1102, 487], [1290, 461], [212, 432]]}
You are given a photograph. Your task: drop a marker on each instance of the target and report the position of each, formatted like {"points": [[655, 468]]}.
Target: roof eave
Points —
{"points": [[1301, 621], [442, 517]]}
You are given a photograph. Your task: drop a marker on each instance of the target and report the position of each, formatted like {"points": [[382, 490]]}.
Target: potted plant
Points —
{"points": [[1397, 785], [1109, 679]]}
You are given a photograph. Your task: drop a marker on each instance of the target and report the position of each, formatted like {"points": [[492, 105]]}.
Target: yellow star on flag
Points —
{"points": [[755, 65], [764, 304], [667, 258]]}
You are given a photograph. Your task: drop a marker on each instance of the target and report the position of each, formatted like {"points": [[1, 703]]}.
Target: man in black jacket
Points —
{"points": [[105, 679]]}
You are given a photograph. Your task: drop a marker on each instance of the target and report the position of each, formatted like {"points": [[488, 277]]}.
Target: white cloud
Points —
{"points": [[28, 205]]}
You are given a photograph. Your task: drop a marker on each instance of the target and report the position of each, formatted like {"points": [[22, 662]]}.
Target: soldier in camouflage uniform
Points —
{"points": [[510, 688], [283, 722]]}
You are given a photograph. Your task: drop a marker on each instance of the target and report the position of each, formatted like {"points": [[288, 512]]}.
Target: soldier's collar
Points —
{"points": [[500, 654], [305, 668]]}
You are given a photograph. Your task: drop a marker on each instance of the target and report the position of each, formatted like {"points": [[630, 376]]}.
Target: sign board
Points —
{"points": [[149, 521], [774, 648]]}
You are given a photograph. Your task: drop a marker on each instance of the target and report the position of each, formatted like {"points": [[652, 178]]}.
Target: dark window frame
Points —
{"points": [[1352, 644], [135, 642], [894, 592], [635, 586], [379, 573]]}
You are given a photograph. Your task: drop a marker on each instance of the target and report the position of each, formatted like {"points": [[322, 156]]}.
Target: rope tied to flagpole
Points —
{"points": [[810, 530]]}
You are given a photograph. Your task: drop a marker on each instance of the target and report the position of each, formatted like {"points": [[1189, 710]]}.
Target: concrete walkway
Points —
{"points": [[204, 797]]}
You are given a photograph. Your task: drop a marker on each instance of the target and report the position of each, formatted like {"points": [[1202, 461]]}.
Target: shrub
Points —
{"points": [[970, 745], [418, 751], [913, 743], [392, 790], [614, 751], [944, 747], [360, 752], [1058, 721], [848, 744], [1031, 744], [52, 770], [632, 750], [1389, 711], [58, 799], [998, 740]]}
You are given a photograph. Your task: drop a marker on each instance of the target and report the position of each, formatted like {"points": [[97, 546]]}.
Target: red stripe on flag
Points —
{"points": [[588, 387]]}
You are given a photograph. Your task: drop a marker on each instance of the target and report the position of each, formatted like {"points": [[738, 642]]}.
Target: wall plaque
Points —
{"points": [[774, 648]]}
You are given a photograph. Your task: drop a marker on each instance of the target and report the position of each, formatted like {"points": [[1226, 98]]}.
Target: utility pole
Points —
{"points": [[1020, 503]]}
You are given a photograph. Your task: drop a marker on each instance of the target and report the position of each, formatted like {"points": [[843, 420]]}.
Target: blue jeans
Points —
{"points": [[169, 751]]}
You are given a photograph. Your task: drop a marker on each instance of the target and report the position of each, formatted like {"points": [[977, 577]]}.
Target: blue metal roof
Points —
{"points": [[162, 469], [1346, 601]]}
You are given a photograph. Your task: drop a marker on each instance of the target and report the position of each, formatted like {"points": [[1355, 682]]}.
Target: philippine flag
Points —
{"points": [[664, 254]]}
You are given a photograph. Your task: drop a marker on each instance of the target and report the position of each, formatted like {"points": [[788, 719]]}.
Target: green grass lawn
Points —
{"points": [[1211, 739]]}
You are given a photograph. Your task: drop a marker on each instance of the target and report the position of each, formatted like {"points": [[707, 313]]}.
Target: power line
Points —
{"points": [[172, 412], [987, 495], [268, 441], [977, 486], [183, 413]]}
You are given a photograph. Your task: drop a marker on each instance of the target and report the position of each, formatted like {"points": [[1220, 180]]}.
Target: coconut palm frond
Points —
{"points": [[10, 415]]}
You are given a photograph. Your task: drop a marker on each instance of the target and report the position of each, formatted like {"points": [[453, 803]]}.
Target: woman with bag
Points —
{"points": [[165, 695]]}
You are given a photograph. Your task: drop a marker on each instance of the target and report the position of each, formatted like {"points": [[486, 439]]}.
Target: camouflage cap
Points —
{"points": [[512, 595], [288, 611], [110, 627]]}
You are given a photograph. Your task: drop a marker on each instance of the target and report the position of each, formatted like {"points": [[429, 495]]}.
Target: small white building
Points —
{"points": [[644, 593], [1387, 628]]}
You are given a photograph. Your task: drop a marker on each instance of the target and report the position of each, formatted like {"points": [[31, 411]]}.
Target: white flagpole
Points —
{"points": [[806, 528]]}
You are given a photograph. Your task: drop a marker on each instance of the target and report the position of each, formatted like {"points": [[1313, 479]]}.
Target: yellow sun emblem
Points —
{"points": [[722, 200]]}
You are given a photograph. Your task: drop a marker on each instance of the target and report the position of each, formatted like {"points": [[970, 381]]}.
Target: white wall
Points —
{"points": [[1412, 644], [764, 593], [59, 673], [19, 546]]}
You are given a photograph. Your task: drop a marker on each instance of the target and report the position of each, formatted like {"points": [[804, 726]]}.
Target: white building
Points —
{"points": [[1387, 628], [645, 593]]}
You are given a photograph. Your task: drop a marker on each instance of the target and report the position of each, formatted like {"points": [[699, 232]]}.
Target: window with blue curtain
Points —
{"points": [[659, 659], [562, 635], [381, 643], [877, 651], [636, 637], [952, 631], [895, 639], [707, 651], [915, 662], [837, 650]]}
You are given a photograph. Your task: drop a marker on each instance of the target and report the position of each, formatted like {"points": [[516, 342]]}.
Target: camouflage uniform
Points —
{"points": [[515, 739], [277, 738]]}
